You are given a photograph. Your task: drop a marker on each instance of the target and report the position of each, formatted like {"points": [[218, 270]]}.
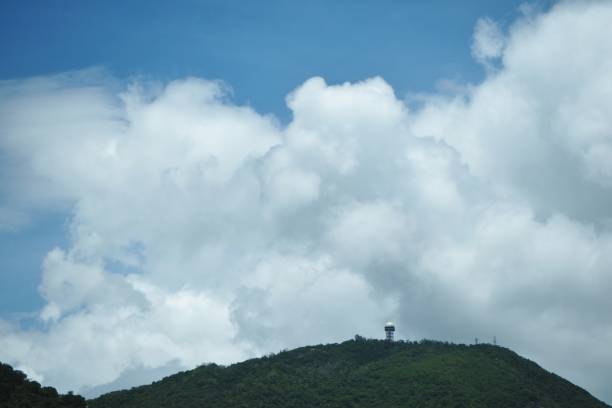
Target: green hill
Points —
{"points": [[364, 373], [16, 391]]}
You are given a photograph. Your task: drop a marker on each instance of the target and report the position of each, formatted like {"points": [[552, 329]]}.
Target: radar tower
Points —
{"points": [[389, 331]]}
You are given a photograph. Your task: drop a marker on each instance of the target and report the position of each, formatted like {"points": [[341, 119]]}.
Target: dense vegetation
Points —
{"points": [[16, 391], [364, 373]]}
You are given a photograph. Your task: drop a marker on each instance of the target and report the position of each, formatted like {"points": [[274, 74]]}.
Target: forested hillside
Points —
{"points": [[364, 373], [16, 391]]}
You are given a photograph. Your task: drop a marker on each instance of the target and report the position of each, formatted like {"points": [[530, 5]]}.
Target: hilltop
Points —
{"points": [[364, 373], [16, 391]]}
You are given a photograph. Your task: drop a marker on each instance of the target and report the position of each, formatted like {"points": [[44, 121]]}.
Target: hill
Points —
{"points": [[16, 391], [364, 373]]}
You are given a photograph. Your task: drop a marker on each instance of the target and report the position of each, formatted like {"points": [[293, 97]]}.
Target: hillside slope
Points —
{"points": [[16, 391], [364, 373]]}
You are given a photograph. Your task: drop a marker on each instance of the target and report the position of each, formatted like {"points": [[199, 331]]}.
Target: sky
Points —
{"points": [[212, 181]]}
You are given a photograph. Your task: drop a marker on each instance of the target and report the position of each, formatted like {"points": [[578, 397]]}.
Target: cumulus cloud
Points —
{"points": [[203, 231]]}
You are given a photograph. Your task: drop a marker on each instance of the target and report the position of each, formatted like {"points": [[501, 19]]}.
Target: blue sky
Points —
{"points": [[441, 164], [261, 50]]}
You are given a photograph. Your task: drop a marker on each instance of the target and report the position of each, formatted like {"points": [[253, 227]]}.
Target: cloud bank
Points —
{"points": [[204, 231]]}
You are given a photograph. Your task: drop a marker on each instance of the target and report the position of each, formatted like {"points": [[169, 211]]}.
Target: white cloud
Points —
{"points": [[488, 42], [203, 231], [539, 128], [363, 233]]}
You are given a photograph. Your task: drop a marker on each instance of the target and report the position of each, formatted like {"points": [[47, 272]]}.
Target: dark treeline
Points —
{"points": [[16, 391], [364, 373]]}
